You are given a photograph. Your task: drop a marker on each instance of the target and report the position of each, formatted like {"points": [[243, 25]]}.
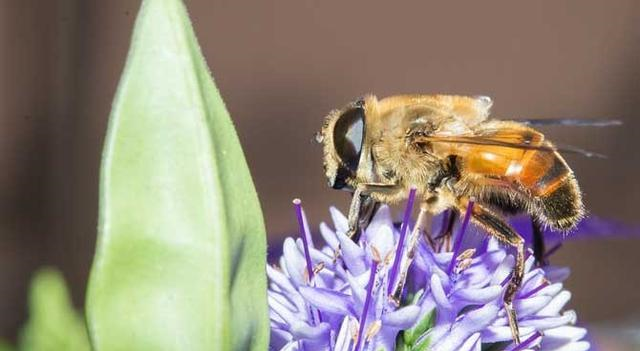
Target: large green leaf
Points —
{"points": [[181, 243], [53, 324]]}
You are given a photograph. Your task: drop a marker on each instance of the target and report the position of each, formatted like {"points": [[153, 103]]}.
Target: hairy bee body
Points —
{"points": [[448, 148], [456, 158]]}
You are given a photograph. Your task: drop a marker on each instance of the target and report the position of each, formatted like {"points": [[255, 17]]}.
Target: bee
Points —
{"points": [[451, 152]]}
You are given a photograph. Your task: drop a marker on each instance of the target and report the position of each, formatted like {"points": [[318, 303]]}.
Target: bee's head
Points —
{"points": [[342, 137]]}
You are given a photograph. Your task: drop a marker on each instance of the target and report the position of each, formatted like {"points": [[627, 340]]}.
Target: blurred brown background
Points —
{"points": [[281, 65]]}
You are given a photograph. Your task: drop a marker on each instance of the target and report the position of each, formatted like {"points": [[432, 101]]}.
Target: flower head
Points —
{"points": [[340, 296]]}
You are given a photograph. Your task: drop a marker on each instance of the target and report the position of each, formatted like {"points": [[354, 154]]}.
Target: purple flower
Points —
{"points": [[337, 296]]}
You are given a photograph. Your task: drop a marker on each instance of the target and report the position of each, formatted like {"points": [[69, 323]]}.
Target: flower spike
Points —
{"points": [[434, 311]]}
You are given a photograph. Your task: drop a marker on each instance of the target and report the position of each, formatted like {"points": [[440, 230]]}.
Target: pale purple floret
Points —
{"points": [[325, 312], [469, 303]]}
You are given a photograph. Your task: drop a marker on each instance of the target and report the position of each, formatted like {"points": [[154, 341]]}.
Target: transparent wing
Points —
{"points": [[562, 148], [510, 139], [570, 122]]}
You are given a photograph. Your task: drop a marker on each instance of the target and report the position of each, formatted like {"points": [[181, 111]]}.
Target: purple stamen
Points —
{"points": [[535, 290], [504, 282], [403, 232], [303, 234], [485, 245], [305, 244], [523, 345], [458, 243], [367, 302]]}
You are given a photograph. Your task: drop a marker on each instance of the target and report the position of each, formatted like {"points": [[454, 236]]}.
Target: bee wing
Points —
{"points": [[513, 139], [570, 122], [570, 149]]}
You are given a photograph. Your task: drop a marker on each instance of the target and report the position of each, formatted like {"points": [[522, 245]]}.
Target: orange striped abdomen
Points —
{"points": [[541, 172], [548, 180]]}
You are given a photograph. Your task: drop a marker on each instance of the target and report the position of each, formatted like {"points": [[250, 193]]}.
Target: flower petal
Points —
{"points": [[316, 255], [528, 264], [556, 337], [574, 346], [526, 307], [353, 254], [329, 236], [282, 300], [294, 261], [328, 300], [477, 296], [279, 338], [402, 318], [307, 232], [278, 278], [292, 346], [302, 330], [343, 339], [439, 294], [382, 219], [532, 280], [555, 306], [503, 270], [493, 244], [281, 311], [383, 243], [551, 290], [470, 324], [479, 273], [339, 220], [544, 323], [358, 292], [502, 333], [472, 343]]}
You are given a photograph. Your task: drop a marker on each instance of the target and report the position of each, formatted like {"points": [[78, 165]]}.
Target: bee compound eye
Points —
{"points": [[348, 135]]}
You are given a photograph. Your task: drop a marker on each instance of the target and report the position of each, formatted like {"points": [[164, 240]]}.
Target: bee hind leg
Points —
{"points": [[498, 228], [538, 243]]}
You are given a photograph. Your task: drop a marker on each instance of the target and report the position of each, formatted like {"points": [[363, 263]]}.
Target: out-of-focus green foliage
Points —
{"points": [[53, 323], [417, 338], [4, 346], [181, 246]]}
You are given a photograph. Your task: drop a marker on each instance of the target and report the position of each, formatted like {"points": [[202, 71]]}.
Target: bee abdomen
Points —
{"points": [[562, 206]]}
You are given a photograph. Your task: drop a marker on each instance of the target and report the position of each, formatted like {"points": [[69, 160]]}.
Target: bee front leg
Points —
{"points": [[363, 207], [354, 215], [418, 230], [498, 228]]}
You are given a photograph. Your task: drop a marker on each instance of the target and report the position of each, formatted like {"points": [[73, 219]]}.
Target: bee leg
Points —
{"points": [[538, 243], [363, 207], [367, 207], [498, 228], [448, 221], [354, 215], [420, 227]]}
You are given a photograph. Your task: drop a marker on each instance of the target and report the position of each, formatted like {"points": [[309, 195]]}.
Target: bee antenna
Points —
{"points": [[318, 137]]}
